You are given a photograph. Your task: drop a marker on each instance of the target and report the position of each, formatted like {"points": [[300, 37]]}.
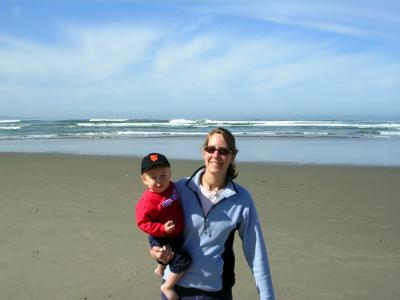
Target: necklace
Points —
{"points": [[209, 186]]}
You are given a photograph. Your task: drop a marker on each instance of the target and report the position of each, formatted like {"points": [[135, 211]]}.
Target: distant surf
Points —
{"points": [[372, 128]]}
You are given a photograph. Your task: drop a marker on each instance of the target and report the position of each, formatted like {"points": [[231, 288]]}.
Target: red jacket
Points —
{"points": [[154, 209]]}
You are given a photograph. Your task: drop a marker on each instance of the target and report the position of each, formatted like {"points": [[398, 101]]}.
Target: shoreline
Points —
{"points": [[68, 229], [199, 161], [325, 151]]}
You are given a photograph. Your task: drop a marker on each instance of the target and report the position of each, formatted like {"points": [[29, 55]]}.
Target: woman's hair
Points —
{"points": [[232, 171]]}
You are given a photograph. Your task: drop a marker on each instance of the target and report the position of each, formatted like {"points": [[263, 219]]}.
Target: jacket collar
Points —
{"points": [[194, 183]]}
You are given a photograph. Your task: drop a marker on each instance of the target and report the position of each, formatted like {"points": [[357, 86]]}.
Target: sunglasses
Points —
{"points": [[221, 151]]}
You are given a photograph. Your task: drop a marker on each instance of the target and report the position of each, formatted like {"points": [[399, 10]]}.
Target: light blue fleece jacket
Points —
{"points": [[209, 238]]}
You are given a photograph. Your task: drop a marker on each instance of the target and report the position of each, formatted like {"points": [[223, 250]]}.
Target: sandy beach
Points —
{"points": [[67, 229]]}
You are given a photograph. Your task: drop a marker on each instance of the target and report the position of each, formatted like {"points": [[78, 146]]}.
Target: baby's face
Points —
{"points": [[157, 179]]}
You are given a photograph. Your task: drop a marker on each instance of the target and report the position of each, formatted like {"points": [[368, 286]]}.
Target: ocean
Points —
{"points": [[117, 128], [364, 141]]}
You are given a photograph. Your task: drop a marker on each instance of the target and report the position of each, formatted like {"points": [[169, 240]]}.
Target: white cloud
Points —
{"points": [[109, 50], [89, 55], [374, 19], [119, 66]]}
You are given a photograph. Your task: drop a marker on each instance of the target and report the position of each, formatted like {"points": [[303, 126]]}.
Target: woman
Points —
{"points": [[214, 208]]}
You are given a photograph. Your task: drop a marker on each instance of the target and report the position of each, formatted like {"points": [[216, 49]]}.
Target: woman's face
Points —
{"points": [[217, 162]]}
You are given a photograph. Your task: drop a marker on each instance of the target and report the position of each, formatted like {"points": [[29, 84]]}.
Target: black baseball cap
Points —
{"points": [[152, 160]]}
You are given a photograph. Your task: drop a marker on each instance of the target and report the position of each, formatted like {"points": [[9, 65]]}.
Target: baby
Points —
{"points": [[159, 214]]}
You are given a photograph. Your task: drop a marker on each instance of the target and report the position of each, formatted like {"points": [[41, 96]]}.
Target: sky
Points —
{"points": [[199, 59]]}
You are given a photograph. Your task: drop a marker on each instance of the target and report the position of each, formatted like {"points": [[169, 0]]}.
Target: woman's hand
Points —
{"points": [[163, 254]]}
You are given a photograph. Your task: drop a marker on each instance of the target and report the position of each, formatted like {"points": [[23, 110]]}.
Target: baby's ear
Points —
{"points": [[143, 177]]}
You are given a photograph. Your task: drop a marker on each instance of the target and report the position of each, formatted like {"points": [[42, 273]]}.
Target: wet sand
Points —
{"points": [[67, 229]]}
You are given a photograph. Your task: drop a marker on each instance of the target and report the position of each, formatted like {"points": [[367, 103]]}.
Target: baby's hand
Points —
{"points": [[169, 227]]}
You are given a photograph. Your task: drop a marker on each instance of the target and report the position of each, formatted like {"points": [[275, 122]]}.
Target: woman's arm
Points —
{"points": [[255, 251]]}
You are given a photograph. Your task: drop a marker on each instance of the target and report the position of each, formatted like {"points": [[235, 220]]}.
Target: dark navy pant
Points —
{"points": [[195, 294]]}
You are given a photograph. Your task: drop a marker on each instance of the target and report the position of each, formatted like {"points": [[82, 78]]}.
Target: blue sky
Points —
{"points": [[199, 59]]}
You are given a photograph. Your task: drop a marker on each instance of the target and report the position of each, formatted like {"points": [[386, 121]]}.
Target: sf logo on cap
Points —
{"points": [[154, 157]]}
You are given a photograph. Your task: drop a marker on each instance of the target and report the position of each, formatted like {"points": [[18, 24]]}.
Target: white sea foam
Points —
{"points": [[10, 127], [10, 121], [40, 136], [95, 134], [125, 128], [390, 133], [182, 122], [295, 123], [235, 123], [158, 133], [128, 124], [108, 120]]}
